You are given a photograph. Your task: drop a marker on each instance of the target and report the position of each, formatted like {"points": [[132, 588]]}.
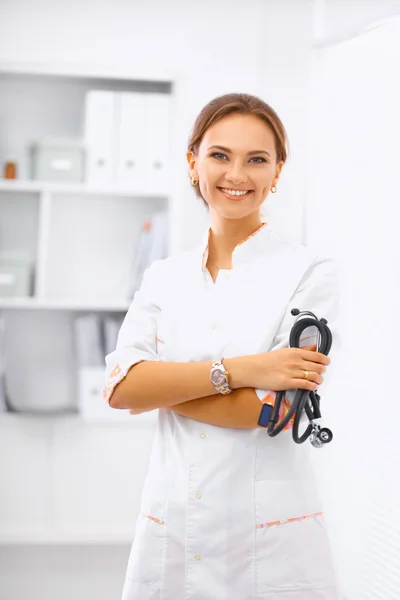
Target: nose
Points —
{"points": [[236, 173]]}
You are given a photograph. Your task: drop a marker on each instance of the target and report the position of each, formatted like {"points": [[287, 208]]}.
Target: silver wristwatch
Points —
{"points": [[219, 377]]}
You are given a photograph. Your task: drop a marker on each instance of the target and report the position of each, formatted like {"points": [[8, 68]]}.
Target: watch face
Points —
{"points": [[218, 377]]}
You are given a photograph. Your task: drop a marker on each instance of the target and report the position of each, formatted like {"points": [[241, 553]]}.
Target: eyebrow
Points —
{"points": [[225, 149]]}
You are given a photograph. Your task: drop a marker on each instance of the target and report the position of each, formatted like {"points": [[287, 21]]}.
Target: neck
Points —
{"points": [[226, 234]]}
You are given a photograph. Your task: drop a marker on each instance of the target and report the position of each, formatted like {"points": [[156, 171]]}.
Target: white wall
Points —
{"points": [[348, 15], [206, 48], [356, 189]]}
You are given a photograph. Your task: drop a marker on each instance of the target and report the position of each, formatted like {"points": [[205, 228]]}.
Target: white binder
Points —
{"points": [[100, 137], [132, 150], [157, 142], [140, 262], [111, 327], [159, 240], [88, 341], [91, 368]]}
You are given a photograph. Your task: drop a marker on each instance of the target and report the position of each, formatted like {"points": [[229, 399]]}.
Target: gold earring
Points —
{"points": [[273, 189], [195, 181]]}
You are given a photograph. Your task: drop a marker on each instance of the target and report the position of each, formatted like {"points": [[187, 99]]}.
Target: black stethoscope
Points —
{"points": [[305, 399]]}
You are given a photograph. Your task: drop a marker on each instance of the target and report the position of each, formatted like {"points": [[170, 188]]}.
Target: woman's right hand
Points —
{"points": [[283, 369]]}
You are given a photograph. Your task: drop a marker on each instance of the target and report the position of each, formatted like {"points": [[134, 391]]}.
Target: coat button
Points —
{"points": [[198, 495], [202, 435], [197, 557]]}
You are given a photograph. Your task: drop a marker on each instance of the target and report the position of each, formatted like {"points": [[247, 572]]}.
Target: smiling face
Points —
{"points": [[236, 165]]}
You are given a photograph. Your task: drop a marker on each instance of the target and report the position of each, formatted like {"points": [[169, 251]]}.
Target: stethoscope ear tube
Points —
{"points": [[304, 399]]}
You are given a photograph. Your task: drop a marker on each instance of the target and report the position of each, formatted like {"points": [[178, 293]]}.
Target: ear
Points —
{"points": [[191, 158], [279, 167]]}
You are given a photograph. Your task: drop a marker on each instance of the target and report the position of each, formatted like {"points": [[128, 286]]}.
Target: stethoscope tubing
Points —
{"points": [[304, 399]]}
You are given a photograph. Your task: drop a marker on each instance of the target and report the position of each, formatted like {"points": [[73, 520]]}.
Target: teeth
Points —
{"points": [[235, 192]]}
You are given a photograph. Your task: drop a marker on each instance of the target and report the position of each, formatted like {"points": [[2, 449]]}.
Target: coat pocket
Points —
{"points": [[146, 559], [293, 550]]}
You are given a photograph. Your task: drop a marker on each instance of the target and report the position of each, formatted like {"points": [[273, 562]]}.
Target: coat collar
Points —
{"points": [[245, 250]]}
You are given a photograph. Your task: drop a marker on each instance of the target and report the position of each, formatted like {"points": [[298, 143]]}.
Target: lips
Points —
{"points": [[235, 196]]}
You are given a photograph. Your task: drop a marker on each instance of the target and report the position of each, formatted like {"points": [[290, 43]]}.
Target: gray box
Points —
{"points": [[15, 278], [58, 159]]}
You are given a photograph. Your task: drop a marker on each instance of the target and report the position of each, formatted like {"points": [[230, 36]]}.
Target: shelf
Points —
{"points": [[72, 188], [61, 537], [115, 73], [64, 305], [77, 421]]}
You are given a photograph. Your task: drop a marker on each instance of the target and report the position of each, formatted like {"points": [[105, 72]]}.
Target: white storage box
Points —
{"points": [[55, 159], [15, 277]]}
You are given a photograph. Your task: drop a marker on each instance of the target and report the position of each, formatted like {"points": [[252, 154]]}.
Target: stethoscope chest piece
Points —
{"points": [[320, 436]]}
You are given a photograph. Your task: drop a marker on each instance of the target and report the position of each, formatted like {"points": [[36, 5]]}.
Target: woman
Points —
{"points": [[200, 334]]}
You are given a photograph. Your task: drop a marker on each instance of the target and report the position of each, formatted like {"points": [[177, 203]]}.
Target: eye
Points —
{"points": [[259, 159], [218, 155]]}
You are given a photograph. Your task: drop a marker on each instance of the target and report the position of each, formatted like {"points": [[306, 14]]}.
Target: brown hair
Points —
{"points": [[243, 104]]}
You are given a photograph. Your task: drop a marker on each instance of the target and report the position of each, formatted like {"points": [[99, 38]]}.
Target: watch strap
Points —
{"points": [[222, 388]]}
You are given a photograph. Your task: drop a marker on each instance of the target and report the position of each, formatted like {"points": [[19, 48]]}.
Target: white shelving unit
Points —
{"points": [[54, 211], [63, 305], [66, 481], [52, 187], [61, 476], [60, 538]]}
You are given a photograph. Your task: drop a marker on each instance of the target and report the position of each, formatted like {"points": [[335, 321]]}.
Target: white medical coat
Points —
{"points": [[227, 514]]}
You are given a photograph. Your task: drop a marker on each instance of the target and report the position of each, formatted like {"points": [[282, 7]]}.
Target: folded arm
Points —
{"points": [[238, 410], [190, 393]]}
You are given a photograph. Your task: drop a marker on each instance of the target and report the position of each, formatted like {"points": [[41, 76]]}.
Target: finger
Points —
{"points": [[316, 357], [312, 376], [313, 366], [304, 384]]}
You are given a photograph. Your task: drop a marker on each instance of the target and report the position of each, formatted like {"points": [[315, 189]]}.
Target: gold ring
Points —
{"points": [[305, 376]]}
